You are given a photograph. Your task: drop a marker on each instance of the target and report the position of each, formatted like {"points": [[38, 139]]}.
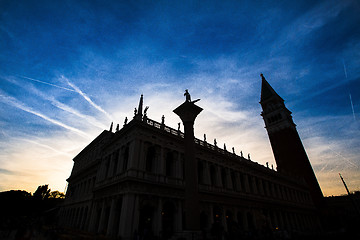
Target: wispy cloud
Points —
{"points": [[86, 97], [15, 103]]}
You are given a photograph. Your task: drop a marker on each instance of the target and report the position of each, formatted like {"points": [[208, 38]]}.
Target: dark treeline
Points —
{"points": [[22, 211]]}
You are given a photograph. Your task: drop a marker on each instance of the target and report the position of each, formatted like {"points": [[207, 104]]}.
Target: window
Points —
{"points": [[169, 161], [150, 159]]}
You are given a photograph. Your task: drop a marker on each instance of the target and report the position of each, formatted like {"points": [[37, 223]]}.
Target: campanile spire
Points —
{"points": [[288, 150]]}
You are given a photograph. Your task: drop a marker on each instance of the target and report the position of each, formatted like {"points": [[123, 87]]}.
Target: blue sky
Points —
{"points": [[70, 68]]}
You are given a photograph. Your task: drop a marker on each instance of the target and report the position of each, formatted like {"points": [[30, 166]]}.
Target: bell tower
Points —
{"points": [[289, 152]]}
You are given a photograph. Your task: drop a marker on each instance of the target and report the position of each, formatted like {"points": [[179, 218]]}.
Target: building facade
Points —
{"points": [[133, 182]]}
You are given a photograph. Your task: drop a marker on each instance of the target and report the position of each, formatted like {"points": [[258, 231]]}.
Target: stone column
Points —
{"points": [[158, 218], [102, 217], [188, 112], [127, 210], [178, 217], [111, 226], [92, 215]]}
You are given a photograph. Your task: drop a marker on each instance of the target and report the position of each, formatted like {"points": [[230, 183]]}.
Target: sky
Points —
{"points": [[70, 68]]}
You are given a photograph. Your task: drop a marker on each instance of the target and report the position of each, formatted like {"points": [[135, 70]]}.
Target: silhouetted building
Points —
{"points": [[147, 179]]}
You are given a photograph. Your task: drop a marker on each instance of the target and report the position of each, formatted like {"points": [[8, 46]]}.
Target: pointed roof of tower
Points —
{"points": [[267, 91]]}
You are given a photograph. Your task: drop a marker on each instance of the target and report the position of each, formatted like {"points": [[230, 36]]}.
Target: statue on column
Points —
{"points": [[187, 96]]}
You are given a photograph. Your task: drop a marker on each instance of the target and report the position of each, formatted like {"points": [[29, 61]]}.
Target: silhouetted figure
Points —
{"points": [[224, 147], [135, 112], [204, 137], [233, 150], [249, 156], [179, 127], [267, 164], [111, 127], [117, 127], [145, 110], [241, 154], [215, 143], [125, 122], [187, 96]]}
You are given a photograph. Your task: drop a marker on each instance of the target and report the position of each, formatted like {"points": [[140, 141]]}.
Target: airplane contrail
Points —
{"points": [[351, 102], [86, 97], [50, 84], [14, 102]]}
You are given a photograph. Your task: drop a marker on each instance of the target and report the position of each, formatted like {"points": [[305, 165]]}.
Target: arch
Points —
{"points": [[250, 221], [146, 221], [204, 221], [168, 220]]}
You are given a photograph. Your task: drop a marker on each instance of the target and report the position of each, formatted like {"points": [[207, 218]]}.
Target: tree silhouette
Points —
{"points": [[57, 194], [42, 192]]}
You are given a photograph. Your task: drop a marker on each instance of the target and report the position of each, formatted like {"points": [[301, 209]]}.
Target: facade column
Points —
{"points": [[136, 215], [178, 217], [102, 217], [111, 226], [127, 211], [158, 218], [223, 219], [92, 222]]}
